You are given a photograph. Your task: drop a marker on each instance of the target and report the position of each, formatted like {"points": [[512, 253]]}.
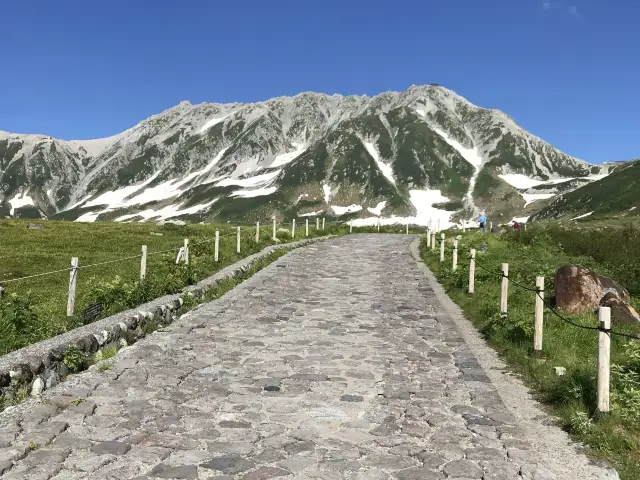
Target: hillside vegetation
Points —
{"points": [[35, 308], [616, 194], [572, 396]]}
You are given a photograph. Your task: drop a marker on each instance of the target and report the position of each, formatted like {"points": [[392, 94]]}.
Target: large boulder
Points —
{"points": [[621, 311], [579, 289]]}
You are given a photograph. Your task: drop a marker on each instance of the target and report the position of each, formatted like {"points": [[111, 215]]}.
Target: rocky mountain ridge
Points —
{"points": [[418, 155]]}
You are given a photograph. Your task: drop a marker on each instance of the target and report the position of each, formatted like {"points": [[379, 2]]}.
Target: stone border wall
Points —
{"points": [[41, 366]]}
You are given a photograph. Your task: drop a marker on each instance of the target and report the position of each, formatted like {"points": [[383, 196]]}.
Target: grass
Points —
{"points": [[35, 309], [572, 397]]}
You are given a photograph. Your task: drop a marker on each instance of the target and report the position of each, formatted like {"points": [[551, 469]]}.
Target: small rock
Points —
{"points": [[560, 371], [183, 471], [53, 379], [351, 398], [37, 387]]}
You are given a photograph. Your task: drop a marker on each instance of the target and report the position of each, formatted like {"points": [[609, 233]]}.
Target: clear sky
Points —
{"points": [[568, 71]]}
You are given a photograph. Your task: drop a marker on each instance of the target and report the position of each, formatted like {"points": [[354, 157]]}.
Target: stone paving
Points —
{"points": [[335, 362]]}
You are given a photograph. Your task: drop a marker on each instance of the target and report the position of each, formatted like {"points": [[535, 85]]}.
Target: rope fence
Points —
{"points": [[182, 252], [604, 313]]}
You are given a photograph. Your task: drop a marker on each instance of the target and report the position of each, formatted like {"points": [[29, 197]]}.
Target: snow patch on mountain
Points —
{"points": [[327, 192], [256, 192], [529, 198], [387, 170], [342, 210], [210, 123], [377, 210], [20, 200], [582, 216], [166, 212], [285, 158]]}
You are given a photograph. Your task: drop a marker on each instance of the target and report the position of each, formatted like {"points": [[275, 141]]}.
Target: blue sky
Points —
{"points": [[568, 71]]}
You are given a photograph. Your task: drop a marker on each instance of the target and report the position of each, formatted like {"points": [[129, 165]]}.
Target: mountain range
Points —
{"points": [[419, 155]]}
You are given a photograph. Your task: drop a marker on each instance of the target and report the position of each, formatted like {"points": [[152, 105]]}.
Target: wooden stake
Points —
{"points": [[73, 277], [274, 228], [257, 232], [378, 224], [351, 226], [442, 247], [238, 239], [317, 223], [604, 354], [407, 229], [322, 223], [306, 227], [433, 242], [216, 247], [472, 271], [504, 290], [143, 263], [539, 318], [428, 238], [293, 229], [186, 251], [455, 255]]}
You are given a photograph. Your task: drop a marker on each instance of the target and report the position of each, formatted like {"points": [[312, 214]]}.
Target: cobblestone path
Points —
{"points": [[334, 362]]}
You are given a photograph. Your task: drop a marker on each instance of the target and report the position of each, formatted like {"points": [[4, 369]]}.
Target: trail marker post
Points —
{"points": [[274, 229], [604, 354], [293, 228], [143, 263], [504, 289], [238, 239], [454, 265], [257, 232], [216, 246], [442, 247], [186, 251], [539, 318], [73, 278], [306, 227], [472, 271]]}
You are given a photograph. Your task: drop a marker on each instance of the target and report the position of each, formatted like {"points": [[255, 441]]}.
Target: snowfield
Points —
{"points": [[387, 170], [20, 200]]}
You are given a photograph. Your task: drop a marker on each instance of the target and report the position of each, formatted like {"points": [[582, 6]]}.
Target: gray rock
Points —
{"points": [[181, 472], [113, 448], [37, 387], [463, 469], [229, 464]]}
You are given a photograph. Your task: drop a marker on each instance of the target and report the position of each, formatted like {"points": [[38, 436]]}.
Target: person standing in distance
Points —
{"points": [[483, 222]]}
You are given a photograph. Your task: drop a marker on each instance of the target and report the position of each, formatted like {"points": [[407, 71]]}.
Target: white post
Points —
{"points": [[490, 226], [351, 226], [504, 290], [464, 227], [378, 224], [306, 227], [322, 223], [238, 239], [442, 247], [428, 238], [455, 255], [539, 318], [317, 223], [186, 251], [472, 271], [604, 354], [257, 232], [73, 277], [293, 229], [433, 241], [216, 247], [407, 228], [439, 229], [143, 263], [274, 228]]}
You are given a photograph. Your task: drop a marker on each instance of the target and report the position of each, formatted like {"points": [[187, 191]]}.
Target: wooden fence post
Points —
{"points": [[186, 251], [216, 246], [1, 290], [433, 241], [73, 278], [439, 225], [351, 226], [539, 318], [238, 239], [490, 226], [257, 232], [274, 228], [407, 228], [442, 247], [604, 354], [472, 271], [323, 223], [293, 229], [454, 266], [504, 290], [317, 223], [428, 237], [306, 227], [143, 263]]}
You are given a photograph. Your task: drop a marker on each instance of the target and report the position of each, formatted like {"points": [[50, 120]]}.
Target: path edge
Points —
{"points": [[41, 366], [565, 456]]}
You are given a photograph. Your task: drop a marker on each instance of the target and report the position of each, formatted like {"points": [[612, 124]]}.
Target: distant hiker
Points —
{"points": [[483, 222], [516, 225]]}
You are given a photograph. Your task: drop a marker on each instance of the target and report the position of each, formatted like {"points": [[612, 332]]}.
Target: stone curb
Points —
{"points": [[41, 366]]}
